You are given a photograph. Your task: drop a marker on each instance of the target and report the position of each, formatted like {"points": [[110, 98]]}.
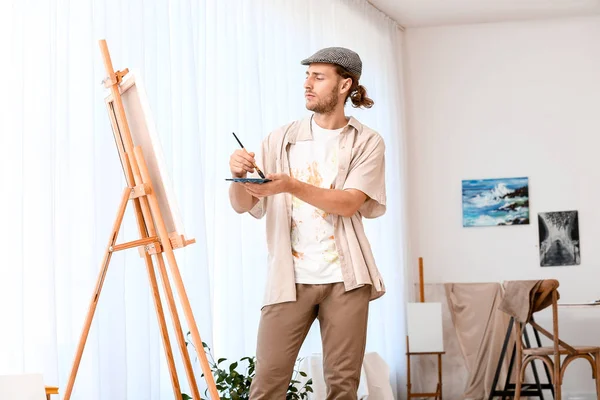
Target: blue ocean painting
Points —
{"points": [[492, 202]]}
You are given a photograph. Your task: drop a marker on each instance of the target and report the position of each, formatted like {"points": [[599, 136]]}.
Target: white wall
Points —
{"points": [[507, 100]]}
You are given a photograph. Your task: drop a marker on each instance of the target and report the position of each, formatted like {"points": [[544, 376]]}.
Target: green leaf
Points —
{"points": [[302, 373], [185, 397], [233, 366], [221, 360]]}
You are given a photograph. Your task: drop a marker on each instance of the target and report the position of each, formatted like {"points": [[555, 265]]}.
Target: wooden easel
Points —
{"points": [[438, 392], [154, 241]]}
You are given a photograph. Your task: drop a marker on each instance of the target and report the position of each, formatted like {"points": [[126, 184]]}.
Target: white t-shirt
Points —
{"points": [[315, 162]]}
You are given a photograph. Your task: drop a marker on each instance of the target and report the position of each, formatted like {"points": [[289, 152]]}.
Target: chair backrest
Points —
{"points": [[22, 387], [545, 295], [524, 297]]}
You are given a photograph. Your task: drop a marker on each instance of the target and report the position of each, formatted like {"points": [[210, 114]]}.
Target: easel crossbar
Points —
{"points": [[134, 243]]}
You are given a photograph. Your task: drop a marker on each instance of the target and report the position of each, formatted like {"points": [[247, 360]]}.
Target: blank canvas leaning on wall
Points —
{"points": [[425, 332], [22, 387]]}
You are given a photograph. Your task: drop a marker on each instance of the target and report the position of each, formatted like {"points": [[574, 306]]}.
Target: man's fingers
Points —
{"points": [[245, 161], [250, 188], [246, 166], [242, 166], [257, 195], [246, 156]]}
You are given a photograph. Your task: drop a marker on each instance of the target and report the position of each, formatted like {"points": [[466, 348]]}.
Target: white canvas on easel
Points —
{"points": [[145, 135], [22, 387], [425, 333]]}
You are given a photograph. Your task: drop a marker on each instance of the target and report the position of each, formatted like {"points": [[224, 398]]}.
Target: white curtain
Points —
{"points": [[210, 68]]}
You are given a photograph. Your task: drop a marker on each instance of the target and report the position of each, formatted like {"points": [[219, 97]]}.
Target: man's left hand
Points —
{"points": [[280, 183]]}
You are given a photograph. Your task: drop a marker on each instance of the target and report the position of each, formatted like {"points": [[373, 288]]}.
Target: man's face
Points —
{"points": [[322, 88]]}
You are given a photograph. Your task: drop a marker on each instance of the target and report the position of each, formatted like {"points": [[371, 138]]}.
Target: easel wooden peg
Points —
{"points": [[139, 191], [114, 78], [425, 329], [151, 249]]}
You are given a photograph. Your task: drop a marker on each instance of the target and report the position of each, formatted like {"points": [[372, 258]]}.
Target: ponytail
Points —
{"points": [[357, 93], [359, 98]]}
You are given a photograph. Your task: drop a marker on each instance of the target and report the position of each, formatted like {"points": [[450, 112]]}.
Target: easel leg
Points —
{"points": [[163, 327], [178, 331], [143, 213], [501, 359], [168, 250], [440, 375], [408, 384], [96, 295], [518, 360], [141, 209]]}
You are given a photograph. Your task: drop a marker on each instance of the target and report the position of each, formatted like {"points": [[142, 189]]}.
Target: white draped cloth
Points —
{"points": [[374, 378]]}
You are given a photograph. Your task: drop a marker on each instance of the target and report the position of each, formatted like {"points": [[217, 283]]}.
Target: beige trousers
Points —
{"points": [[283, 327]]}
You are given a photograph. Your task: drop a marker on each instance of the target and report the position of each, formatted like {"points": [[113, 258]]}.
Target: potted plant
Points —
{"points": [[233, 381]]}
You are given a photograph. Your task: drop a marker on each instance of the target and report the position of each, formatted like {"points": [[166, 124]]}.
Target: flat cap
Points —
{"points": [[341, 56]]}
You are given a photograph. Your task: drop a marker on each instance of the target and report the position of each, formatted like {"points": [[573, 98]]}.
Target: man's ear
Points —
{"points": [[346, 85]]}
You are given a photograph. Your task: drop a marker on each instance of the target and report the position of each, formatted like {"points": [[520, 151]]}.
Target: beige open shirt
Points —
{"points": [[361, 160]]}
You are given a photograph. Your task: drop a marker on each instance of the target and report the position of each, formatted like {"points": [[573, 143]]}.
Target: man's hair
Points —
{"points": [[357, 92]]}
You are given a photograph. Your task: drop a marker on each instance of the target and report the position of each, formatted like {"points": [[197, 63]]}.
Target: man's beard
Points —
{"points": [[327, 105]]}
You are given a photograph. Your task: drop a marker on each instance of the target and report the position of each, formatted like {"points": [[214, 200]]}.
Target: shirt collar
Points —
{"points": [[305, 130]]}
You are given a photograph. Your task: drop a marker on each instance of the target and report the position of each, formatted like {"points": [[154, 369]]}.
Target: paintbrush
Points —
{"points": [[255, 166]]}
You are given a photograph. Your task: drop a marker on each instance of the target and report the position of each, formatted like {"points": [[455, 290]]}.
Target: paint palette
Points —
{"points": [[248, 180]]}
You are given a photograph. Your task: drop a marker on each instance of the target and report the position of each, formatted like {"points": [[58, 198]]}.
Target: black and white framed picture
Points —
{"points": [[559, 238]]}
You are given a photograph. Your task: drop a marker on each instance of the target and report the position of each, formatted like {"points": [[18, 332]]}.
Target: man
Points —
{"points": [[327, 172]]}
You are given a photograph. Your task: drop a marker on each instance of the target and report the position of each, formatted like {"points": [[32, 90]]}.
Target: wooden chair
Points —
{"points": [[547, 295]]}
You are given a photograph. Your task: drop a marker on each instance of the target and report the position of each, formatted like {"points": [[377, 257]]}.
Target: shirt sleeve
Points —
{"points": [[367, 174]]}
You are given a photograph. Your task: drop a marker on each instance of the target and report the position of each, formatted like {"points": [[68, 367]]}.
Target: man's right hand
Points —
{"points": [[240, 163]]}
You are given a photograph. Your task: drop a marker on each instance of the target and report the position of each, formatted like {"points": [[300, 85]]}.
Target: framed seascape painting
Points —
{"points": [[493, 202], [559, 238]]}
